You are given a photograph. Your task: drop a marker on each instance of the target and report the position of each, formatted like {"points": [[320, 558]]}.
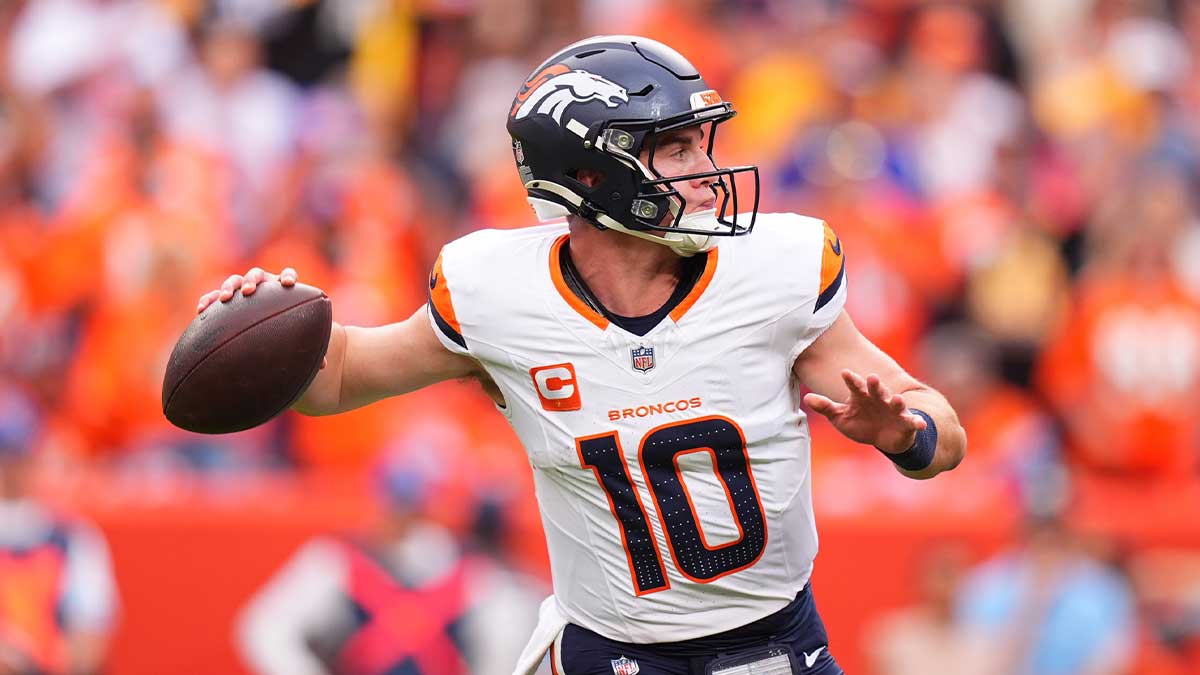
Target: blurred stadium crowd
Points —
{"points": [[1014, 182]]}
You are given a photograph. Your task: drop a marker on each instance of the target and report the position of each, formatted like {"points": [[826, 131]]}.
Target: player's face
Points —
{"points": [[681, 152]]}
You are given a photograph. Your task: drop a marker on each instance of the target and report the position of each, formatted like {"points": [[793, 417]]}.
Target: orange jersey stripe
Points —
{"points": [[439, 296], [710, 268], [565, 291], [833, 260]]}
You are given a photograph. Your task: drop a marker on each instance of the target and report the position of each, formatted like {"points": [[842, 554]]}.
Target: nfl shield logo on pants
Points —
{"points": [[624, 666], [643, 361]]}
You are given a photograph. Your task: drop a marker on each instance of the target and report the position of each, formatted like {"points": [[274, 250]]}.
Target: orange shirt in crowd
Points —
{"points": [[894, 267], [1124, 373], [1006, 427], [884, 305], [378, 277], [113, 392], [1153, 658], [381, 239]]}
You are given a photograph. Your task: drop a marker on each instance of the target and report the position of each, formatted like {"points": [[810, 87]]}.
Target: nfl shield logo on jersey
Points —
{"points": [[643, 359], [624, 666]]}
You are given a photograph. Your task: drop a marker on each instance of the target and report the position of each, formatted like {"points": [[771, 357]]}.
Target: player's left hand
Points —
{"points": [[872, 414]]}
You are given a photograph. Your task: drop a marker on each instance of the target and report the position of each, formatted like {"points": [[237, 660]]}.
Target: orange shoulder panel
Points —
{"points": [[439, 296], [833, 260]]}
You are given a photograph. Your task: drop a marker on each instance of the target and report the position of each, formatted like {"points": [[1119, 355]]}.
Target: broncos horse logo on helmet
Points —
{"points": [[554, 88]]}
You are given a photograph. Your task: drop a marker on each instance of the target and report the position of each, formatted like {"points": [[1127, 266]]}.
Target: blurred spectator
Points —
{"points": [[926, 638], [81, 62], [896, 264], [1168, 585], [243, 114], [1048, 606], [1123, 371], [506, 598], [404, 597], [57, 596], [1019, 288], [961, 112], [1012, 439]]}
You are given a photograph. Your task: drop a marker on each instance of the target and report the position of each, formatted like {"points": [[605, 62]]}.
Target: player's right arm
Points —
{"points": [[363, 365]]}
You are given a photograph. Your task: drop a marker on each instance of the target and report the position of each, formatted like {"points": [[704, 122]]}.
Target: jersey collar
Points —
{"points": [[602, 322]]}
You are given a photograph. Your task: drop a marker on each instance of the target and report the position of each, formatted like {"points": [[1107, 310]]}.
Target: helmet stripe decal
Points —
{"points": [[536, 81]]}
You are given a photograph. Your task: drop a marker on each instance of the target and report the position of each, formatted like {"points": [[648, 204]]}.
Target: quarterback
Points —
{"points": [[650, 343]]}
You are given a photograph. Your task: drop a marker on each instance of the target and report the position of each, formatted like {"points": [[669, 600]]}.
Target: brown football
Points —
{"points": [[242, 362]]}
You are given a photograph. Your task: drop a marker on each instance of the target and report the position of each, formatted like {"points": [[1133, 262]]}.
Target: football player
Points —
{"points": [[649, 345]]}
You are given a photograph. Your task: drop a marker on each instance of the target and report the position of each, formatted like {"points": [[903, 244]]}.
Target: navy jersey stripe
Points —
{"points": [[824, 298], [445, 327]]}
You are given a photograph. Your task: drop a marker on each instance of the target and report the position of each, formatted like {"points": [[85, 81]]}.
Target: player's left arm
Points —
{"points": [[869, 397]]}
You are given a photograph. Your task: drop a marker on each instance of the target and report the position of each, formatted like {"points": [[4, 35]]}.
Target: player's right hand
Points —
{"points": [[247, 283]]}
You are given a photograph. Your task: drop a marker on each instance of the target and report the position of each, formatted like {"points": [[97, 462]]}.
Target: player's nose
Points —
{"points": [[703, 164], [706, 183]]}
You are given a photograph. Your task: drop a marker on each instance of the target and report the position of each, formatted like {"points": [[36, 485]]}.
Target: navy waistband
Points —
{"points": [[797, 626], [797, 623], [796, 615]]}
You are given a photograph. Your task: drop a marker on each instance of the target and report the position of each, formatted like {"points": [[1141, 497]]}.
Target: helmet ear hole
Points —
{"points": [[588, 178]]}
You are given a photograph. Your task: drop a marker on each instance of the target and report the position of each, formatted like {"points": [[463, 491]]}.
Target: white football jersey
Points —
{"points": [[672, 469]]}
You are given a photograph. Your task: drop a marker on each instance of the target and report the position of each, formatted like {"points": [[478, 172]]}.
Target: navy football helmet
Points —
{"points": [[597, 104]]}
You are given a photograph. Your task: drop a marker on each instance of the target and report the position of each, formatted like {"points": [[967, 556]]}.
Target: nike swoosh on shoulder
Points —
{"points": [[836, 246], [810, 659]]}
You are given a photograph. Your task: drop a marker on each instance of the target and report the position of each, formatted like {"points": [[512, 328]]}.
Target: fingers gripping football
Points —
{"points": [[247, 284]]}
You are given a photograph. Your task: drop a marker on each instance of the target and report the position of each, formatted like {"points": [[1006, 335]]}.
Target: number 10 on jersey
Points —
{"points": [[658, 455]]}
